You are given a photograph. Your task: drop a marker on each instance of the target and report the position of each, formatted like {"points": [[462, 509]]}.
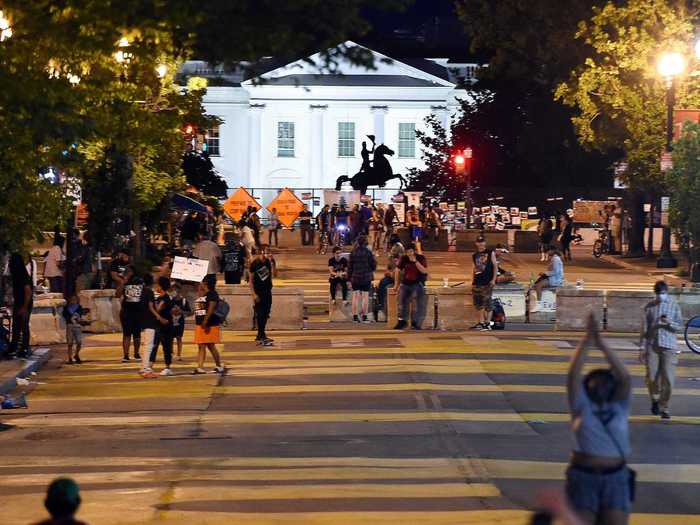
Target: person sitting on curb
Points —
{"points": [[62, 501]]}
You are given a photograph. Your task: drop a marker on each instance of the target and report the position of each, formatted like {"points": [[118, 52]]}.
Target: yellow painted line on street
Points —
{"points": [[233, 418]]}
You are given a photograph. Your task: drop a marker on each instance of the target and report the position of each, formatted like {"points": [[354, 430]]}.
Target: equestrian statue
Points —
{"points": [[376, 172]]}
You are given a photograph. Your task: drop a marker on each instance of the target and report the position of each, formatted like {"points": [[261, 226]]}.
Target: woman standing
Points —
{"points": [[22, 294], [207, 330], [415, 227], [375, 226], [599, 484], [361, 273], [55, 261], [272, 227], [567, 236], [545, 232]]}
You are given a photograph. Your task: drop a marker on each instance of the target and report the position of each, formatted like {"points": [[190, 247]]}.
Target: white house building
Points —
{"points": [[302, 130]]}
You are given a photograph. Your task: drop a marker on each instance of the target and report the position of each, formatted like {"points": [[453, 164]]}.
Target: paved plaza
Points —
{"points": [[332, 426]]}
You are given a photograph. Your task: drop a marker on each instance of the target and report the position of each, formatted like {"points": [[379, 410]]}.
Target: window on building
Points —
{"points": [[346, 139], [285, 139], [407, 140], [211, 141]]}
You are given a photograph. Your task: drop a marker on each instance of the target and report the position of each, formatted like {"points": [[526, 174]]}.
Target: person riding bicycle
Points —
{"points": [[323, 222], [342, 222]]}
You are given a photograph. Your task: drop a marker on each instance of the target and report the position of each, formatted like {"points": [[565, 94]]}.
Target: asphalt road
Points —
{"points": [[341, 427]]}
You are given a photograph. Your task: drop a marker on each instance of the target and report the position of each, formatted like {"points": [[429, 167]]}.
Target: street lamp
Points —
{"points": [[5, 29], [670, 66]]}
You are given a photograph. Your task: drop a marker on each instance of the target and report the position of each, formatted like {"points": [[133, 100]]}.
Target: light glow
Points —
{"points": [[671, 65], [162, 70], [468, 153], [459, 160], [5, 29]]}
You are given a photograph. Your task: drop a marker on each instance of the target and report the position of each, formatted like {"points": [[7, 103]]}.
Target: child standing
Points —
{"points": [[73, 313], [181, 309]]}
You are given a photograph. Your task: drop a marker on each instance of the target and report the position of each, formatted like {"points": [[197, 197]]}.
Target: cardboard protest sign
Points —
{"points": [[189, 269], [288, 206], [238, 203]]}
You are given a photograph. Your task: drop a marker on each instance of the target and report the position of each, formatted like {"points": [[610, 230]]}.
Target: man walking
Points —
{"points": [[261, 287], [662, 321], [307, 232], [208, 250], [485, 273], [415, 273]]}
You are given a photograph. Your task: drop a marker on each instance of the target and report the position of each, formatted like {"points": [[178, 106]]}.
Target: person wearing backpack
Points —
{"points": [[207, 330], [261, 272]]}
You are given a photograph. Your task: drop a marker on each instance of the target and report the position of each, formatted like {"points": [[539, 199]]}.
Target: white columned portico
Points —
{"points": [[379, 112], [255, 151], [316, 152]]}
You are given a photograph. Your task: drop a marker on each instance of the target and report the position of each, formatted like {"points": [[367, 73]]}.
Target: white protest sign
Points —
{"points": [[189, 269]]}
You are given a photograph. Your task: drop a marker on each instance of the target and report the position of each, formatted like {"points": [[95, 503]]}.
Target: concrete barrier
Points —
{"points": [[544, 310], [104, 311], [624, 309], [393, 309], [573, 306], [689, 301], [46, 325], [464, 240], [287, 307], [512, 297], [454, 309], [526, 241]]}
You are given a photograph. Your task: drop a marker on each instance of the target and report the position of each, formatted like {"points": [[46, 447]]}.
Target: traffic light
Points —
{"points": [[461, 160]]}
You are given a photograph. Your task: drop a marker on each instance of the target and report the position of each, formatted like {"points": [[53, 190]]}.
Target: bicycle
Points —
{"points": [[602, 243], [692, 334]]}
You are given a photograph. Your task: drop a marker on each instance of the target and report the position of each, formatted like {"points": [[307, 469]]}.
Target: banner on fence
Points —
{"points": [[347, 198]]}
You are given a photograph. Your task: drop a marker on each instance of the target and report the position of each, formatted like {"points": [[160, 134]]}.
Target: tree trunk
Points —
{"points": [[636, 212], [138, 239]]}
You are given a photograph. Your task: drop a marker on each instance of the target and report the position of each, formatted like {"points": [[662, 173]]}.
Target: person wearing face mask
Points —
{"points": [[599, 484], [659, 349]]}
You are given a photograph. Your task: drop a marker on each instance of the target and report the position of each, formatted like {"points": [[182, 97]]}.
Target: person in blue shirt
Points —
{"points": [[72, 313], [554, 276]]}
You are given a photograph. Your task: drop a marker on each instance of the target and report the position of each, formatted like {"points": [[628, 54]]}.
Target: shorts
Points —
{"points": [[74, 334], [131, 325], [201, 337], [361, 287], [178, 330], [596, 492], [482, 297]]}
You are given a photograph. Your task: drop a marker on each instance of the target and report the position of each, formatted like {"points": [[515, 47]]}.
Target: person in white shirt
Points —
{"points": [[53, 270], [208, 250]]}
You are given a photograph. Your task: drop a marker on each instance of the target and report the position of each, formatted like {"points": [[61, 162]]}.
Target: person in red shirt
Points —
{"points": [[411, 272]]}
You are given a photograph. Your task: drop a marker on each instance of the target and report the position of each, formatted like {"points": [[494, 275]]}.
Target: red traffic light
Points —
{"points": [[459, 160]]}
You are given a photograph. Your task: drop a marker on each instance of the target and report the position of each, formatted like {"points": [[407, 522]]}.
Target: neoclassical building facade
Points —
{"points": [[302, 130]]}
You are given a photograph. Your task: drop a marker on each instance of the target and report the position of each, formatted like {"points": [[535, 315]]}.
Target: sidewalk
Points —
{"points": [[11, 370], [647, 265]]}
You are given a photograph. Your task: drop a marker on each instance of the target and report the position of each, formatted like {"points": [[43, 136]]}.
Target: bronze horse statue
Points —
{"points": [[375, 173]]}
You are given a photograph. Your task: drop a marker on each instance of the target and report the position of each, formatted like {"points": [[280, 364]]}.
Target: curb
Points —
{"points": [[629, 266], [38, 359]]}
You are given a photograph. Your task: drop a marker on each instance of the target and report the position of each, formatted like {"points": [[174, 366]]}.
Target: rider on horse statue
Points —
{"points": [[372, 173]]}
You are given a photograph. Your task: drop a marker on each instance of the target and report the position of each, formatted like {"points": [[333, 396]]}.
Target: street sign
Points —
{"points": [[666, 161], [288, 207], [238, 203], [665, 203]]}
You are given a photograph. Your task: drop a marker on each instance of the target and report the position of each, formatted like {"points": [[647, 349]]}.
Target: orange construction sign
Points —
{"points": [[288, 207], [238, 203]]}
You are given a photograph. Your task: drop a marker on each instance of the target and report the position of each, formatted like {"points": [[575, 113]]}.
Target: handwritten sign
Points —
{"points": [[187, 269]]}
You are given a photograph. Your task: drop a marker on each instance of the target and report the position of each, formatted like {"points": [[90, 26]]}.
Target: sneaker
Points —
{"points": [[477, 326], [166, 372], [149, 374], [365, 319], [655, 408], [415, 326], [355, 319], [197, 371], [258, 342], [267, 342], [665, 414], [400, 325], [137, 356], [220, 370], [77, 360], [146, 370], [485, 328], [69, 362], [126, 359]]}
